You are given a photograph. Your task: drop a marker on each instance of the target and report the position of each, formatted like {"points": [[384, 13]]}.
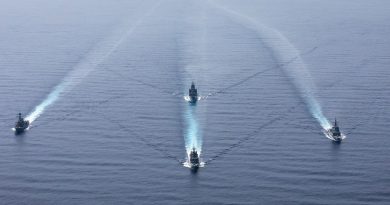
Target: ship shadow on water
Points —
{"points": [[194, 171], [335, 150], [336, 145], [20, 137]]}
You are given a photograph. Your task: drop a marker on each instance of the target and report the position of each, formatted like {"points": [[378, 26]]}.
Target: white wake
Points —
{"points": [[95, 57], [284, 51]]}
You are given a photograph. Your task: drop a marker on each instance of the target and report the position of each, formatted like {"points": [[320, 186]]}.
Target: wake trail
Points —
{"points": [[284, 50], [363, 122], [89, 107], [244, 80], [238, 83], [252, 135], [220, 91], [255, 133], [95, 57], [192, 135], [156, 87], [195, 65], [147, 142]]}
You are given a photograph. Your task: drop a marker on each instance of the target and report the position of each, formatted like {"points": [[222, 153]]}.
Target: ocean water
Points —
{"points": [[103, 82]]}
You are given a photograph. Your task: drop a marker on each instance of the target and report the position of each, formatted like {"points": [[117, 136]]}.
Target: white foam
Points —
{"points": [[188, 98], [331, 138], [188, 164]]}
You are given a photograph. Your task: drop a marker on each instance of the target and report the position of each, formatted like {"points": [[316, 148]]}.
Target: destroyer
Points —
{"points": [[193, 93], [334, 132], [21, 124], [194, 159]]}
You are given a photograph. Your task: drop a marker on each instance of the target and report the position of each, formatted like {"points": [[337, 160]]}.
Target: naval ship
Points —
{"points": [[334, 132], [193, 93], [194, 159], [21, 124]]}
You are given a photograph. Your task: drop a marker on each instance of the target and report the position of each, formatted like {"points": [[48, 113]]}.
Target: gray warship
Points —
{"points": [[334, 132], [193, 93], [194, 159], [21, 125]]}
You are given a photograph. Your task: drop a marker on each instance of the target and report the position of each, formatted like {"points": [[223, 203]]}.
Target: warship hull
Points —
{"points": [[21, 125], [330, 135]]}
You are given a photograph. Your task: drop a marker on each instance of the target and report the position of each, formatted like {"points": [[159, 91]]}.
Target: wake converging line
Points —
{"points": [[95, 57]]}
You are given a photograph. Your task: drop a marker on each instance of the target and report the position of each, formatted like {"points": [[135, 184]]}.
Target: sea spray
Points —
{"points": [[95, 57], [290, 59]]}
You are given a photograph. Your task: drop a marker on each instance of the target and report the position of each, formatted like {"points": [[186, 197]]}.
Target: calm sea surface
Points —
{"points": [[110, 77]]}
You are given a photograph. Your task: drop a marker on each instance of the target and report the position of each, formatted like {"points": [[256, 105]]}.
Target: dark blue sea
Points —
{"points": [[103, 84]]}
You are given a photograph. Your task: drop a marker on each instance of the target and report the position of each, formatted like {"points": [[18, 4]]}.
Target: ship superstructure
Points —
{"points": [[21, 125], [193, 93]]}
